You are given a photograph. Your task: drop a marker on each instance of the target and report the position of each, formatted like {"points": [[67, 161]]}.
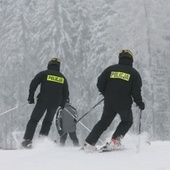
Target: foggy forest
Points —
{"points": [[87, 37]]}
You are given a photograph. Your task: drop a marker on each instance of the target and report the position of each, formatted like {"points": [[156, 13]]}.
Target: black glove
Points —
{"points": [[61, 107], [60, 132], [142, 105], [31, 100]]}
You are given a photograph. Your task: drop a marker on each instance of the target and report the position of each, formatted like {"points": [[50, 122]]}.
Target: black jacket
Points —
{"points": [[120, 84], [53, 87]]}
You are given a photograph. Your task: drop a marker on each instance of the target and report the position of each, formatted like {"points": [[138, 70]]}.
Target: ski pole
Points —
{"points": [[3, 113], [89, 110], [139, 132], [82, 124]]}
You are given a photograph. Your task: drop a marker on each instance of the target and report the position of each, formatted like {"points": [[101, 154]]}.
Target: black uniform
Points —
{"points": [[53, 93], [120, 84]]}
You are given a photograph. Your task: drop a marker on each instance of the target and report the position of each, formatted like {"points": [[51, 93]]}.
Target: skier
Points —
{"points": [[120, 85], [66, 123], [53, 93]]}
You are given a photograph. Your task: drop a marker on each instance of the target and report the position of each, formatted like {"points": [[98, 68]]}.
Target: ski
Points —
{"points": [[105, 149], [20, 148], [17, 148], [113, 150], [9, 149]]}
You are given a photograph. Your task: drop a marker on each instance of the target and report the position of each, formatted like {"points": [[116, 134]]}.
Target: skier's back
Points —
{"points": [[120, 85]]}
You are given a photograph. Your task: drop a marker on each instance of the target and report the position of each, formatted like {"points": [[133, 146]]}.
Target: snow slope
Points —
{"points": [[47, 155]]}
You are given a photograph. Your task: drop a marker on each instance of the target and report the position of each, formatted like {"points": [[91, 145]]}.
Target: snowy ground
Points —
{"points": [[48, 156]]}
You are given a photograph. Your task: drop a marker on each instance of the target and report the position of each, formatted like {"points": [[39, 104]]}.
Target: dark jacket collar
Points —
{"points": [[53, 67], [126, 61]]}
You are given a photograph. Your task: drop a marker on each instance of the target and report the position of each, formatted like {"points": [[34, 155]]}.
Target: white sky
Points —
{"points": [[49, 156]]}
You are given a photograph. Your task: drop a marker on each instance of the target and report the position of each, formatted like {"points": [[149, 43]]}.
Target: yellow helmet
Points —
{"points": [[54, 61], [126, 54]]}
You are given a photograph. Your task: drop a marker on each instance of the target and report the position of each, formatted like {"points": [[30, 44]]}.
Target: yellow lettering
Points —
{"points": [[55, 79], [120, 75]]}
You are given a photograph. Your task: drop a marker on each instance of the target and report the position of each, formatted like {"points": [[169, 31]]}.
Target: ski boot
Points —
{"points": [[89, 148], [27, 143], [114, 144]]}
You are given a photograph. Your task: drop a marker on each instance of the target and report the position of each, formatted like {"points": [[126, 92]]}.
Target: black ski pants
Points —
{"points": [[107, 117], [73, 137], [38, 112]]}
